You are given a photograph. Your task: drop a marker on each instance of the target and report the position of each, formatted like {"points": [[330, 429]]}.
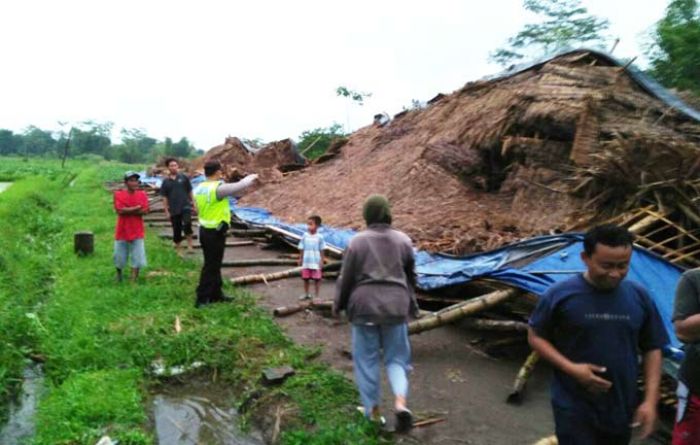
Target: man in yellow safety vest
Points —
{"points": [[213, 208]]}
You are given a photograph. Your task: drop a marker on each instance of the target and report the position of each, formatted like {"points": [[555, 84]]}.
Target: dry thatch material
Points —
{"points": [[270, 161], [501, 159]]}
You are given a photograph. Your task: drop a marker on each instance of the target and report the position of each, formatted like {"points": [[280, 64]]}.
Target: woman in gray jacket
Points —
{"points": [[375, 288]]}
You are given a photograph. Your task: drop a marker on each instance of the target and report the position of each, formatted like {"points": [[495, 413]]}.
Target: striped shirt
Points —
{"points": [[311, 245]]}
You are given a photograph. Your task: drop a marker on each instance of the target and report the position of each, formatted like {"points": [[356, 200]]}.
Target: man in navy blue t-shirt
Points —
{"points": [[592, 328]]}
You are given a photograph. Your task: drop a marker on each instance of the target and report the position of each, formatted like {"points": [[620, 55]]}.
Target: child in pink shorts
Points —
{"points": [[311, 257]]}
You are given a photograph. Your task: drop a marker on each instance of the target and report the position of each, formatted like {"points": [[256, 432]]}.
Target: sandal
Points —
{"points": [[404, 421]]}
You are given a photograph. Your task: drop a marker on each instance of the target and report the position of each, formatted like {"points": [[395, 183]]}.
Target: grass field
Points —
{"points": [[98, 338]]}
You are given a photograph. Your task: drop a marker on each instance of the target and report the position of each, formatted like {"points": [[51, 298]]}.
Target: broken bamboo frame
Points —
{"points": [[461, 310], [516, 395], [260, 262], [485, 324], [283, 311], [250, 233], [334, 250], [265, 277], [289, 273]]}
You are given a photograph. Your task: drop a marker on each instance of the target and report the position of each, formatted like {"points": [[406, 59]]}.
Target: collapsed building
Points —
{"points": [[554, 145], [550, 147]]}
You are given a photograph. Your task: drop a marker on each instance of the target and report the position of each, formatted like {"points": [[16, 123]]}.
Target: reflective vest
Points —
{"points": [[212, 211]]}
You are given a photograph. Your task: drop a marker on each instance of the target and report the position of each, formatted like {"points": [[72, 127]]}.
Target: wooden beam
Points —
{"points": [[461, 310]]}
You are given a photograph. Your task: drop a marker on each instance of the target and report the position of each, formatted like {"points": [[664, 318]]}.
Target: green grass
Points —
{"points": [[99, 338]]}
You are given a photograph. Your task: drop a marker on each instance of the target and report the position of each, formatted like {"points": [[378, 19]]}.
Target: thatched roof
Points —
{"points": [[502, 158]]}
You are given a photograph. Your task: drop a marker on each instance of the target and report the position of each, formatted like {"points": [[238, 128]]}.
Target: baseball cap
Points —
{"points": [[131, 174]]}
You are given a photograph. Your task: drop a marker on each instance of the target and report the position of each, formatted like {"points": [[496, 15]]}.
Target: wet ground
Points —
{"points": [[21, 422], [197, 413]]}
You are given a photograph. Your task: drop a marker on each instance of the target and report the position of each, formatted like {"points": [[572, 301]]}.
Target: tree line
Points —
{"points": [[92, 139]]}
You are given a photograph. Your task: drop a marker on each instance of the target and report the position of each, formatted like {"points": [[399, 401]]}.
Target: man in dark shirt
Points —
{"points": [[686, 321], [591, 328], [176, 191]]}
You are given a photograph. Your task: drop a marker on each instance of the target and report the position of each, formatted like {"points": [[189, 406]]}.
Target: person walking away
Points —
{"points": [[311, 258], [130, 204], [176, 191], [376, 290], [686, 321], [214, 211], [590, 327]]}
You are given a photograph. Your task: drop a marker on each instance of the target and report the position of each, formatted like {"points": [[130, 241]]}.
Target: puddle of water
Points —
{"points": [[4, 186], [20, 426], [198, 414]]}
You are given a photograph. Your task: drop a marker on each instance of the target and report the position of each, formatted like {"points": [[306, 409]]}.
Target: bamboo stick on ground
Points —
{"points": [[495, 325], [427, 422], [260, 262], [461, 310], [261, 277], [516, 396], [289, 273], [283, 311]]}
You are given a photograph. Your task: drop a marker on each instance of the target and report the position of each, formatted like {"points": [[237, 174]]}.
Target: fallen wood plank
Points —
{"points": [[516, 395], [461, 310], [260, 262]]}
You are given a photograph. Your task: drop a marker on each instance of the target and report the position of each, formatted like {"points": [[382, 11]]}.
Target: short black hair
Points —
{"points": [[169, 160], [211, 167], [610, 235], [316, 219]]}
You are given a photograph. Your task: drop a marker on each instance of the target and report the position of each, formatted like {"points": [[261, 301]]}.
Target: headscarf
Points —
{"points": [[377, 210]]}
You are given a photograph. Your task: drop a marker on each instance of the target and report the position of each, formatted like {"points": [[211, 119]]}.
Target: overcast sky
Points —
{"points": [[263, 69]]}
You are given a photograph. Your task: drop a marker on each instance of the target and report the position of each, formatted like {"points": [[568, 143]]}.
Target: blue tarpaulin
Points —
{"points": [[532, 265]]}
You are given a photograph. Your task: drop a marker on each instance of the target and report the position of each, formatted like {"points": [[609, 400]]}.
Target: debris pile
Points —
{"points": [[239, 159], [505, 158]]}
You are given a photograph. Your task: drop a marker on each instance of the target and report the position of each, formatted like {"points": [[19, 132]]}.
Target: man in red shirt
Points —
{"points": [[130, 204]]}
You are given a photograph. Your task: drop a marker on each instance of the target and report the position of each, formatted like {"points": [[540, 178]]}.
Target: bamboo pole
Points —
{"points": [[261, 277], [289, 273], [460, 310], [283, 311], [260, 262], [495, 325], [516, 395]]}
